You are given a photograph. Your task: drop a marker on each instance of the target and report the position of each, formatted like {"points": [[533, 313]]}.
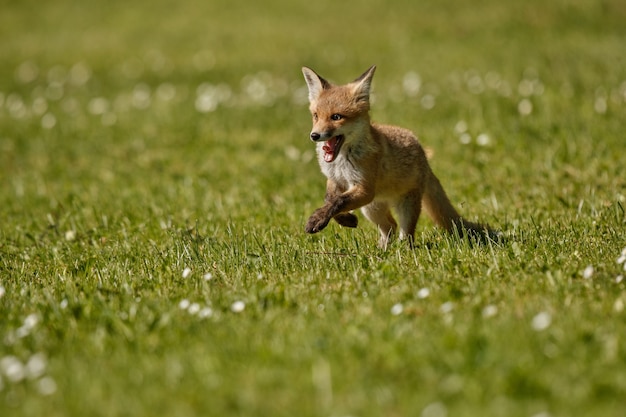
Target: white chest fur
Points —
{"points": [[342, 170]]}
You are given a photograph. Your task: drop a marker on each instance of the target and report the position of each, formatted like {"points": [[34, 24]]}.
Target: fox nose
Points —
{"points": [[315, 136]]}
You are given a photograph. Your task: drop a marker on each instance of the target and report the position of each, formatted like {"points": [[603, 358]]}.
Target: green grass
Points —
{"points": [[113, 183]]}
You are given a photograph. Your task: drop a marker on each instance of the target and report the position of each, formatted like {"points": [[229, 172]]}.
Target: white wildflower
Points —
{"points": [[588, 272], [600, 105], [460, 127], [193, 308], [423, 293], [206, 312], [12, 368], [237, 306], [541, 321], [186, 272], [47, 386], [483, 139], [48, 121], [36, 366], [446, 307], [490, 311], [397, 309], [31, 321], [98, 105], [525, 107], [428, 101]]}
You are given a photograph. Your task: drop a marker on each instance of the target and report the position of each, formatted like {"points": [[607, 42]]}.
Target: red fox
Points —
{"points": [[377, 168]]}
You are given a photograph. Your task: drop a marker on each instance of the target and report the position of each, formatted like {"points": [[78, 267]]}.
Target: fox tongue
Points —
{"points": [[329, 149]]}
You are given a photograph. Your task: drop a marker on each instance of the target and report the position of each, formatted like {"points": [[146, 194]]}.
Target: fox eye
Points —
{"points": [[336, 116], [314, 116]]}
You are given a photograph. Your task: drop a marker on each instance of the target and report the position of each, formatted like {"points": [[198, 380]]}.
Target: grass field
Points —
{"points": [[156, 175]]}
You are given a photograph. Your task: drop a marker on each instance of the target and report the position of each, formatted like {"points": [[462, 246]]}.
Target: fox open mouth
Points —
{"points": [[331, 147]]}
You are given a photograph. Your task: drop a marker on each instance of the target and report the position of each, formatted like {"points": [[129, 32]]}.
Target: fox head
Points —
{"points": [[340, 112]]}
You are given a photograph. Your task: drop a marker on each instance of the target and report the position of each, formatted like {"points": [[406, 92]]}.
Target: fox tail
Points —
{"points": [[440, 209]]}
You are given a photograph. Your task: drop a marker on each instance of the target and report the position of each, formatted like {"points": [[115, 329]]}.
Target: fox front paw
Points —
{"points": [[316, 222], [347, 219]]}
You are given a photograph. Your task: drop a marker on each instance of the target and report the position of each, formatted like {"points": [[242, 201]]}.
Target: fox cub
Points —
{"points": [[376, 168]]}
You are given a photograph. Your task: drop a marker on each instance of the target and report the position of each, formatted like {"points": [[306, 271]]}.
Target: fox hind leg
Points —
{"points": [[408, 211], [379, 214]]}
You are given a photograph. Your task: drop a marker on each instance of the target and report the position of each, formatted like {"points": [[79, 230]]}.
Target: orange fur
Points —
{"points": [[376, 168]]}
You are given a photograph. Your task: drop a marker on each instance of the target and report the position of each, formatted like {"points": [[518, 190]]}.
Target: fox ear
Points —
{"points": [[315, 83], [363, 84]]}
